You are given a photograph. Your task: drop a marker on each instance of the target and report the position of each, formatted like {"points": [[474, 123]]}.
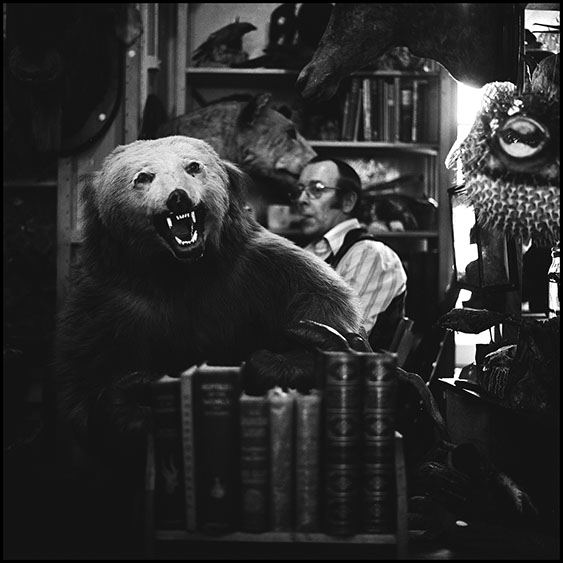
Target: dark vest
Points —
{"points": [[382, 332]]}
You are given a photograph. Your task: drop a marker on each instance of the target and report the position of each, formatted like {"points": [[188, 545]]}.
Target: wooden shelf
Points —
{"points": [[202, 71], [283, 537], [400, 538], [30, 183], [430, 149]]}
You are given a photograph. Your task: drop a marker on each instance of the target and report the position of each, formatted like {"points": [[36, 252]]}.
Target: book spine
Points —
{"points": [[378, 467], [358, 121], [169, 498], [375, 113], [386, 111], [216, 396], [396, 112], [254, 463], [187, 408], [342, 441], [415, 134], [366, 98], [406, 113], [281, 405], [307, 451], [345, 115], [354, 102], [423, 108]]}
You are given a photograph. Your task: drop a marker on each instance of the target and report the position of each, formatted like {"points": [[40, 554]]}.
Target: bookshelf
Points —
{"points": [[427, 252], [399, 539]]}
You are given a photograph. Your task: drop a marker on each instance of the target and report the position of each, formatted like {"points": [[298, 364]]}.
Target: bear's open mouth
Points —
{"points": [[183, 232]]}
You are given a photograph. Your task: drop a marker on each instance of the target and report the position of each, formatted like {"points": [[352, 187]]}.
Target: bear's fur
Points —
{"points": [[256, 137], [144, 304]]}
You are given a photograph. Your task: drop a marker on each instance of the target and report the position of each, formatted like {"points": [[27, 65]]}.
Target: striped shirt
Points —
{"points": [[373, 269]]}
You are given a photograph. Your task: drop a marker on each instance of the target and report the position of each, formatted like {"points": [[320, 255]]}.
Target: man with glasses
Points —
{"points": [[327, 198]]}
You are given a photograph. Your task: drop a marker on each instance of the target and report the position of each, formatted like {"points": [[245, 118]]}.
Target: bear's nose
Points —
{"points": [[179, 202]]}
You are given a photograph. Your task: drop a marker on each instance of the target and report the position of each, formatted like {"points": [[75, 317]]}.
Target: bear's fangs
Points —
{"points": [[183, 232], [183, 226]]}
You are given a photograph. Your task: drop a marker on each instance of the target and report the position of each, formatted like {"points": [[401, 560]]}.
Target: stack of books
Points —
{"points": [[392, 109], [284, 461]]}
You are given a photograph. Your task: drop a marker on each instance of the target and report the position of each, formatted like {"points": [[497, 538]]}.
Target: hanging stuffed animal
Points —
{"points": [[510, 158]]}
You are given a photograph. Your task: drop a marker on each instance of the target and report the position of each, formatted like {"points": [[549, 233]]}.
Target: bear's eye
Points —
{"points": [[194, 167], [143, 178]]}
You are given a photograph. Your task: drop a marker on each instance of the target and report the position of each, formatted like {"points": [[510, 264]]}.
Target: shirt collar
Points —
{"points": [[335, 237]]}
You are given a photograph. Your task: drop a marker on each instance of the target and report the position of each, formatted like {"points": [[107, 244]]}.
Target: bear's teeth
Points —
{"points": [[193, 216], [169, 221], [185, 242]]}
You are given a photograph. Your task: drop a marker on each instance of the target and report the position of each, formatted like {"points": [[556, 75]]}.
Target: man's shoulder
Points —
{"points": [[366, 244]]}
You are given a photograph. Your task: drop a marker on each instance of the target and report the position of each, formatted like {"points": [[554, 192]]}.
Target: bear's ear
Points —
{"points": [[252, 110], [239, 181]]}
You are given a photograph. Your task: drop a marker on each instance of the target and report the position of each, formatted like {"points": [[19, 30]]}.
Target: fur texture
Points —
{"points": [[145, 304]]}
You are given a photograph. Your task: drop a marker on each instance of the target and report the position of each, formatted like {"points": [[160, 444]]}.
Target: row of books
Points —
{"points": [[386, 109], [286, 461]]}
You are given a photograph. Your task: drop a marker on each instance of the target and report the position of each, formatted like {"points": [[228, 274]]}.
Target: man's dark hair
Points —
{"points": [[348, 180]]}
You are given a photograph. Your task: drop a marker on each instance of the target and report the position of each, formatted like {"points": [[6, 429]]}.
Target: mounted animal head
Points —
{"points": [[475, 42]]}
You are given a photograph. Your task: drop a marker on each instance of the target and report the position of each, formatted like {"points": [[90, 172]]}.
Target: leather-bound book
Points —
{"points": [[254, 463], [216, 400], [342, 437]]}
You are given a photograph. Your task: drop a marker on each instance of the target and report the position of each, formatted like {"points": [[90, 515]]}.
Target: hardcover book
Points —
{"points": [[378, 465], [420, 108], [406, 113], [375, 109], [395, 109], [216, 392], [307, 468], [254, 462], [345, 115], [281, 459], [355, 103], [415, 126], [342, 435], [357, 133], [366, 99], [169, 499], [188, 437]]}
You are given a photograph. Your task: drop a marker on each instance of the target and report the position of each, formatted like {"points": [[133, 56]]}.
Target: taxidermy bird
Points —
{"points": [[224, 46]]}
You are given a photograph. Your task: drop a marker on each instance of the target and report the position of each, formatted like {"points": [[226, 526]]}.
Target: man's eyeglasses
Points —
{"points": [[313, 189]]}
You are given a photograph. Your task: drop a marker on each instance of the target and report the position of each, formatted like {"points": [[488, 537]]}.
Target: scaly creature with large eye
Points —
{"points": [[510, 160]]}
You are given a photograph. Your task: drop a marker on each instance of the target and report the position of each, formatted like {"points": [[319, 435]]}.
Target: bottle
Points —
{"points": [[553, 280]]}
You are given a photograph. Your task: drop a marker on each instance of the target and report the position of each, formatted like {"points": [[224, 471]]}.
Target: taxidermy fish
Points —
{"points": [[510, 158]]}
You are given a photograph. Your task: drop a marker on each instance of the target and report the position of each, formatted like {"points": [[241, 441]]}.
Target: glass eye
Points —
{"points": [[143, 178], [194, 167], [522, 137]]}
